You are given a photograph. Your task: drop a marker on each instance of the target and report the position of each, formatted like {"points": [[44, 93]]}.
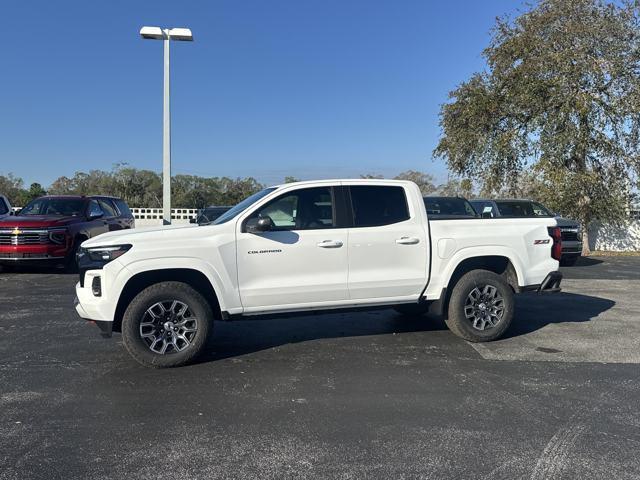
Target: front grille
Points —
{"points": [[24, 237], [569, 234]]}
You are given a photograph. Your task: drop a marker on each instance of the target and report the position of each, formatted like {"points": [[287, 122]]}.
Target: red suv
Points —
{"points": [[50, 229]]}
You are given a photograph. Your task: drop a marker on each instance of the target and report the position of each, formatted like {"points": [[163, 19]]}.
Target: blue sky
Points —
{"points": [[314, 89]]}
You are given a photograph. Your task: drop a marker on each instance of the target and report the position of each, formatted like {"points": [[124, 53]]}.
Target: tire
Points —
{"points": [[412, 309], [569, 260], [474, 292], [71, 262], [144, 316]]}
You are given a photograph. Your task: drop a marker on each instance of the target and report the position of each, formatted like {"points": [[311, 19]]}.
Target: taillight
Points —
{"points": [[556, 248]]}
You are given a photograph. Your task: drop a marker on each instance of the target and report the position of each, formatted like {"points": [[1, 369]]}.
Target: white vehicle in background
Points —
{"points": [[308, 246], [5, 207]]}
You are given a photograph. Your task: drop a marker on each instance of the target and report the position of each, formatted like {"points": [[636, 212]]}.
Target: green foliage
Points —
{"points": [[423, 180], [559, 104], [290, 179], [140, 188]]}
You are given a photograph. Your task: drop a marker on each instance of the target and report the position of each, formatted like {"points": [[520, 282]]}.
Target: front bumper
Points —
{"points": [[551, 283], [571, 247], [106, 327]]}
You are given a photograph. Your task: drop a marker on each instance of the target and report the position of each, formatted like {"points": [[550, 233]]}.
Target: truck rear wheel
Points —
{"points": [[167, 325], [481, 306]]}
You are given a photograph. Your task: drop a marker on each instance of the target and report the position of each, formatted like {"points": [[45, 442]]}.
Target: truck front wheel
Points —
{"points": [[167, 325], [481, 306]]}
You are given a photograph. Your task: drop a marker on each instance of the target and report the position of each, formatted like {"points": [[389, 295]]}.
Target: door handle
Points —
{"points": [[330, 244], [407, 241]]}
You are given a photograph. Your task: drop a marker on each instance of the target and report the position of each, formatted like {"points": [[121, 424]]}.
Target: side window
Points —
{"points": [[374, 206], [305, 209], [108, 208], [94, 209]]}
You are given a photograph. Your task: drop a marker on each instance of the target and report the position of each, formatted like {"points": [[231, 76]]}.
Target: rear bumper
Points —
{"points": [[551, 283]]}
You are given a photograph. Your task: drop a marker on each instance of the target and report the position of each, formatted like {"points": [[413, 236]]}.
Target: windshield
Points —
{"points": [[449, 206], [242, 206], [4, 209], [522, 209], [68, 207]]}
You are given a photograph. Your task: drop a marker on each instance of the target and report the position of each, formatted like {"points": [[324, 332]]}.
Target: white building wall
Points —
{"points": [[615, 239]]}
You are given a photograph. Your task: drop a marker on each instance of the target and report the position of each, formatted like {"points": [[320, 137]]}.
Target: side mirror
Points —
{"points": [[486, 215], [259, 224], [95, 215]]}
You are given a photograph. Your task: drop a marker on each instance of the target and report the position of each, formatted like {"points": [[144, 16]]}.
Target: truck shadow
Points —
{"points": [[533, 312]]}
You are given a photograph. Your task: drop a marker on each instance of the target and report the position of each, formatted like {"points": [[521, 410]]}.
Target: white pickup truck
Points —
{"points": [[307, 246]]}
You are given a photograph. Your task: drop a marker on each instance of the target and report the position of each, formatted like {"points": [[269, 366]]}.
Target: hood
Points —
{"points": [[37, 221], [566, 222], [140, 234]]}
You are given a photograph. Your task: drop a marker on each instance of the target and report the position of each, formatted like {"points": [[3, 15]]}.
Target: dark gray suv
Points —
{"points": [[571, 231]]}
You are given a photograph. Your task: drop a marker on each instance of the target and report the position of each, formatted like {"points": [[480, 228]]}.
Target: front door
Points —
{"points": [[302, 261]]}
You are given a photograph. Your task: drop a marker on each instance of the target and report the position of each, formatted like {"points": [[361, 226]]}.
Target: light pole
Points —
{"points": [[166, 35]]}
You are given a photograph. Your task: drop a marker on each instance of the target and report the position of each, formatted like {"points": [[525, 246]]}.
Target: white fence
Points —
{"points": [[147, 217]]}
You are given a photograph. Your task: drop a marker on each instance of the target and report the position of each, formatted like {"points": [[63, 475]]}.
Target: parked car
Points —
{"points": [[448, 208], [310, 246], [570, 229], [50, 229], [5, 207], [208, 214]]}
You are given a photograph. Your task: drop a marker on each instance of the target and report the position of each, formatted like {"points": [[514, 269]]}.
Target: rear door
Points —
{"points": [[111, 215], [388, 244], [302, 261]]}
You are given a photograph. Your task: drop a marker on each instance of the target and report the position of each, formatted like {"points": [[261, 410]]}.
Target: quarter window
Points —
{"points": [[305, 209], [374, 206], [107, 208], [94, 209]]}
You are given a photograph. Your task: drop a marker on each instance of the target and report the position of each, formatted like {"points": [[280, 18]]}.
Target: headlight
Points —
{"points": [[106, 254], [58, 235]]}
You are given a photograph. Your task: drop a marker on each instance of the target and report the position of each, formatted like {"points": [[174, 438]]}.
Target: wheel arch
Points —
{"points": [[138, 282], [501, 264]]}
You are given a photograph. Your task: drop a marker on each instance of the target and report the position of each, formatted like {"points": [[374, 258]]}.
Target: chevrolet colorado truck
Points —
{"points": [[308, 246]]}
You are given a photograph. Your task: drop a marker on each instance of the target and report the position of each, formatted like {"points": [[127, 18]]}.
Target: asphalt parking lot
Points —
{"points": [[364, 395]]}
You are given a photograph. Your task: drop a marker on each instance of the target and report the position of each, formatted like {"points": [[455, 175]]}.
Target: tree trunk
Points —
{"points": [[586, 251]]}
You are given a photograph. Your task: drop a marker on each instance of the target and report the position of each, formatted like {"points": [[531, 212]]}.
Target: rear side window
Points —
{"points": [[374, 206], [123, 207]]}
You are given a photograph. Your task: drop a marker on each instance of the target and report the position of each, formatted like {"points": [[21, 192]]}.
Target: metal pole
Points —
{"points": [[166, 138]]}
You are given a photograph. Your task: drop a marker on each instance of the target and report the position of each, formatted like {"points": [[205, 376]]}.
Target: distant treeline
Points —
{"points": [[143, 188]]}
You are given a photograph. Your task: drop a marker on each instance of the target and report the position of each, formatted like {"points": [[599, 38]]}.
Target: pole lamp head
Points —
{"points": [[157, 33], [181, 34], [152, 33]]}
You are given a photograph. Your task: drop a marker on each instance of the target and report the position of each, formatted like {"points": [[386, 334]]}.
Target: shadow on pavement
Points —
{"points": [[31, 269], [587, 262], [241, 337], [535, 311]]}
